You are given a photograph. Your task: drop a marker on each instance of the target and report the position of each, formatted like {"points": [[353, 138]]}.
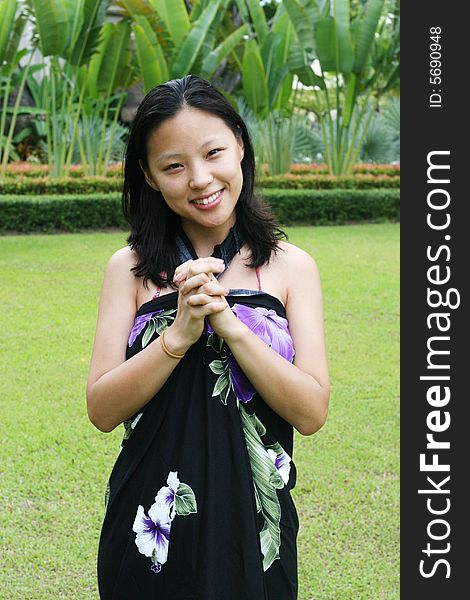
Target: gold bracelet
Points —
{"points": [[165, 349]]}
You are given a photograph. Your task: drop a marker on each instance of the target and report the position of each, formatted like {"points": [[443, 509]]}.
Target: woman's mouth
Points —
{"points": [[210, 202]]}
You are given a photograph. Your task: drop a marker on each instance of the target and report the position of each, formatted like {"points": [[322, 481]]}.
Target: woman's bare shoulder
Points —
{"points": [[291, 259], [125, 258], [119, 279]]}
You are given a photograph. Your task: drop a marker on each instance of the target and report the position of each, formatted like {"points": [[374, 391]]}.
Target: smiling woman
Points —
{"points": [[209, 348], [214, 165]]}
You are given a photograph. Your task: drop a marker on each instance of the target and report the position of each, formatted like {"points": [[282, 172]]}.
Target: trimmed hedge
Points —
{"points": [[27, 214], [364, 168], [329, 207], [63, 185], [90, 185], [329, 182]]}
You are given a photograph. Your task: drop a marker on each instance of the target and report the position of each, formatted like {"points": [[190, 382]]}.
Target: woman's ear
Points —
{"points": [[242, 146], [148, 177]]}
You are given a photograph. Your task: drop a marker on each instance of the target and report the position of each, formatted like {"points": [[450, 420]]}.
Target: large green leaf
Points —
{"points": [[10, 54], [218, 30], [325, 34], [285, 91], [272, 53], [268, 50], [175, 16], [365, 33], [255, 85], [343, 42], [259, 19], [242, 10], [191, 45], [135, 8], [309, 78], [54, 22], [132, 8], [284, 27], [350, 99], [109, 66], [214, 58], [76, 25], [7, 19], [303, 26], [152, 64], [85, 42]]}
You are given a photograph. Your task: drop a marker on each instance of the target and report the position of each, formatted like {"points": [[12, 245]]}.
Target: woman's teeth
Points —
{"points": [[209, 200]]}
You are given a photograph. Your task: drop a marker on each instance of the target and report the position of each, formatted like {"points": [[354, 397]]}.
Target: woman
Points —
{"points": [[206, 383]]}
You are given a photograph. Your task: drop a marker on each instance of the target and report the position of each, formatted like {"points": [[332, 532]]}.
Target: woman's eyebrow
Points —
{"points": [[177, 155]]}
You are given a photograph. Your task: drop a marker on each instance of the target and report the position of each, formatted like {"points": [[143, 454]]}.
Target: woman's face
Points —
{"points": [[194, 160]]}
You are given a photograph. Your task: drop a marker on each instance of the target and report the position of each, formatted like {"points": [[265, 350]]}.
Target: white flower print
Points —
{"points": [[153, 534]]}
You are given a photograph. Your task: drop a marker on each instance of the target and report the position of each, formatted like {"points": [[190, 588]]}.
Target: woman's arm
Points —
{"points": [[298, 391], [118, 388]]}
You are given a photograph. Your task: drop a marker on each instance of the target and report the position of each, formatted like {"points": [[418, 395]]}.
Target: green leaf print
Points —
{"points": [[218, 367], [149, 331], [266, 480], [158, 323], [222, 387], [216, 343], [258, 501], [185, 500]]}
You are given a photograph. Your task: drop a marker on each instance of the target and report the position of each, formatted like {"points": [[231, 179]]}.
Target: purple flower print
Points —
{"points": [[166, 495], [282, 463], [243, 389], [153, 534], [139, 323], [268, 326], [273, 330]]}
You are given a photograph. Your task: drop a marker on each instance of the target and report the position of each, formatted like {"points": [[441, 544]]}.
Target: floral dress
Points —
{"points": [[198, 504]]}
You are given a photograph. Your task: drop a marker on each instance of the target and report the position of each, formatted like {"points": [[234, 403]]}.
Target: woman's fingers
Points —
{"points": [[201, 298], [212, 288], [212, 307], [202, 283], [193, 283], [180, 271], [195, 267], [205, 265]]}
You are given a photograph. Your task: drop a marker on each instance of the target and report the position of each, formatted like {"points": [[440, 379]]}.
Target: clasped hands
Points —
{"points": [[200, 296]]}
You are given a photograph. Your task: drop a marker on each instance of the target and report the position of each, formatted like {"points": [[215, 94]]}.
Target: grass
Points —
{"points": [[54, 464]]}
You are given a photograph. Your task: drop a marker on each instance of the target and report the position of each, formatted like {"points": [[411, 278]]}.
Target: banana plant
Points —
{"points": [[71, 33], [104, 80], [267, 78], [12, 75], [171, 42], [350, 51]]}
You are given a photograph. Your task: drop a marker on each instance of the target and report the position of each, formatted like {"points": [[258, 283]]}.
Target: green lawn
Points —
{"points": [[54, 465]]}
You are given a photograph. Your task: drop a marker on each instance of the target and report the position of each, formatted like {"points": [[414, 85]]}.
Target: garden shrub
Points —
{"points": [[89, 185], [73, 212]]}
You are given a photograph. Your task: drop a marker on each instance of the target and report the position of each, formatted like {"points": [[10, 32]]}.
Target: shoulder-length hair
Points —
{"points": [[154, 226]]}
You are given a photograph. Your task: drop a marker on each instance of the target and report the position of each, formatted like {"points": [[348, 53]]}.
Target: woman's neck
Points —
{"points": [[204, 239]]}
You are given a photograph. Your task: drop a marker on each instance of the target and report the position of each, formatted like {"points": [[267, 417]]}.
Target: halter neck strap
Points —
{"points": [[226, 250]]}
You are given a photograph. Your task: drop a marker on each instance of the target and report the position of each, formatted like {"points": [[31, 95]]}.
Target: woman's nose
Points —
{"points": [[200, 177]]}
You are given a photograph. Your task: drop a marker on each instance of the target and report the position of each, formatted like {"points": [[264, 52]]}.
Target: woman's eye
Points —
{"points": [[214, 150], [173, 166]]}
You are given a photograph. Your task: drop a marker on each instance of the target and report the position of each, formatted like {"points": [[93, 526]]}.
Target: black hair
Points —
{"points": [[154, 226]]}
